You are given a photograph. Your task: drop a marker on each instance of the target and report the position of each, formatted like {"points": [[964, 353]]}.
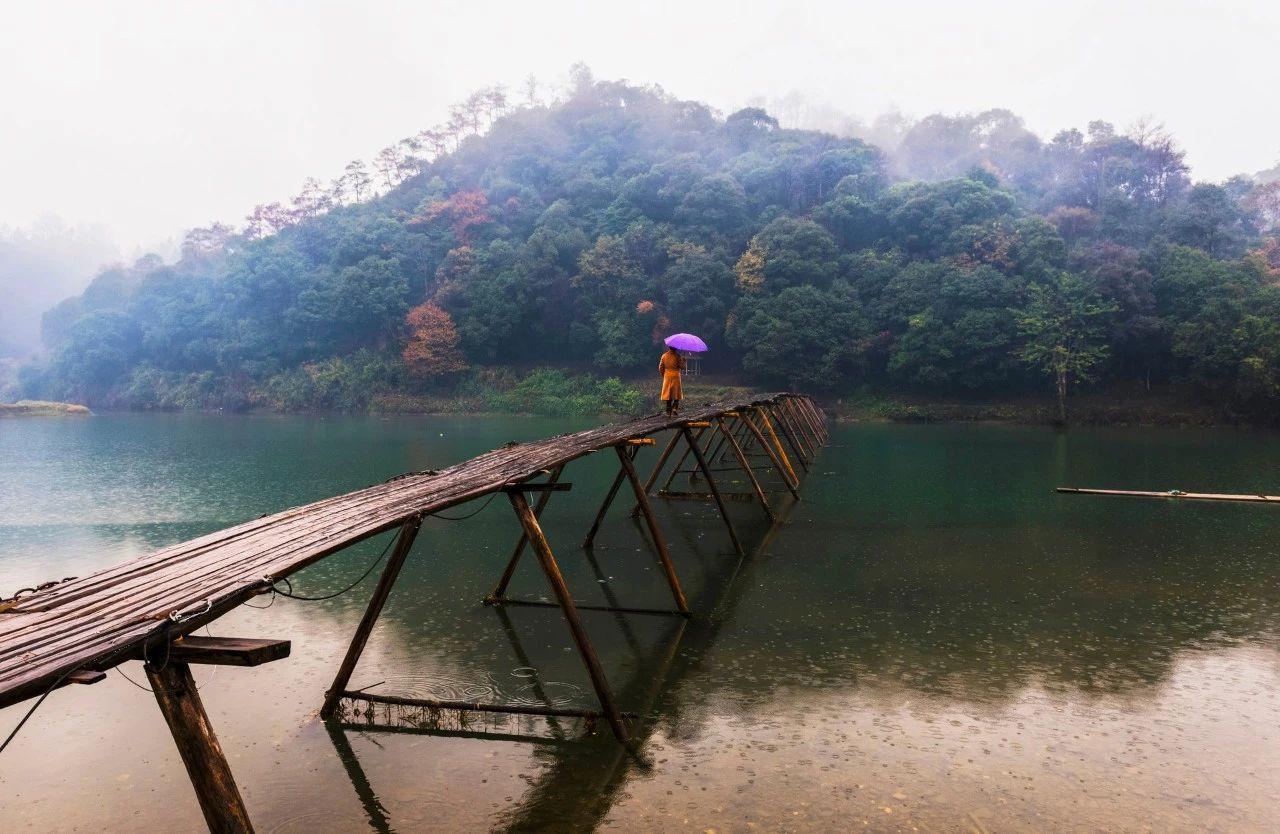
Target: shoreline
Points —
{"points": [[1089, 411]]}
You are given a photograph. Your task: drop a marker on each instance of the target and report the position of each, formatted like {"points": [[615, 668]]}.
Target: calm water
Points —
{"points": [[933, 640]]}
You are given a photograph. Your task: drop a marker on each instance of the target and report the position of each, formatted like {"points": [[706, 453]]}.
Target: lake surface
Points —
{"points": [[933, 640]]}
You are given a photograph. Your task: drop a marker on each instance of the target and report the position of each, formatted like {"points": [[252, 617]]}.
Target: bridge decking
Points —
{"points": [[109, 617]]}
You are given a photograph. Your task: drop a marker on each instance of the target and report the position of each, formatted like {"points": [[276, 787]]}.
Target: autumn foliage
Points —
{"points": [[464, 211], [432, 348]]}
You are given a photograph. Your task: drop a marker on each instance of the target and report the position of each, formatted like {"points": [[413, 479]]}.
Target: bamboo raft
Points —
{"points": [[143, 609]]}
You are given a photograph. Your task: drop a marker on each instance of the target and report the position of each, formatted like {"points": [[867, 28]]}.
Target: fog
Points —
{"points": [[151, 117], [39, 266], [147, 118]]}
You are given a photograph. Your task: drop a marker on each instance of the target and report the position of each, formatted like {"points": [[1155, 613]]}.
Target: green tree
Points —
{"points": [[1064, 325]]}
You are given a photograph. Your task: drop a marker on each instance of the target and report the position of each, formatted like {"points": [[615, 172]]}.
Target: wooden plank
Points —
{"points": [[1175, 494], [226, 651], [547, 487]]}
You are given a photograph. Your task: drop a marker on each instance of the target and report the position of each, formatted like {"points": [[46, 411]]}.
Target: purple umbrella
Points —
{"points": [[686, 341]]}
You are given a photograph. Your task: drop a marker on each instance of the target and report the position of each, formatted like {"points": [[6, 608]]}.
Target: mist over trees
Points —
{"points": [[969, 255], [40, 266]]}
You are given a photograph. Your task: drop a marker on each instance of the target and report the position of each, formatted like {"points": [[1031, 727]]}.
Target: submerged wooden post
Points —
{"points": [[179, 700], [500, 589], [746, 468], [659, 542], [715, 491], [745, 417], [556, 580], [404, 543]]}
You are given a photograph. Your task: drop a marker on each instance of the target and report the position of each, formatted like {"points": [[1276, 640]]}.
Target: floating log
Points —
{"points": [[1175, 494]]}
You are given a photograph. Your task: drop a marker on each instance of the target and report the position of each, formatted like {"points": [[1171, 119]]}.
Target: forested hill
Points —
{"points": [[580, 232]]}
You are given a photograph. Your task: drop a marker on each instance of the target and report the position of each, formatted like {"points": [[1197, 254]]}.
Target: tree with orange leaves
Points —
{"points": [[464, 211], [432, 348]]}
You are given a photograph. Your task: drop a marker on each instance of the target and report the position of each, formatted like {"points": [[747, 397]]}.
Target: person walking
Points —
{"points": [[670, 366]]}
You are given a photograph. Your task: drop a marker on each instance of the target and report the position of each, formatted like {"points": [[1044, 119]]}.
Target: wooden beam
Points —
{"points": [[786, 432], [179, 701], [777, 445], [746, 468], [227, 651], [657, 469], [509, 571], [783, 473], [686, 495], [544, 487], [404, 543], [555, 579], [476, 706], [655, 532], [85, 677], [605, 504], [715, 492]]}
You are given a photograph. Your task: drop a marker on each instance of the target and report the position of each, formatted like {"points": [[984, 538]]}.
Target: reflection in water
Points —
{"points": [[933, 639]]}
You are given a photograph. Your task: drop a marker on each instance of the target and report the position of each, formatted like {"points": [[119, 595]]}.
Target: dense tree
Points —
{"points": [[966, 256]]}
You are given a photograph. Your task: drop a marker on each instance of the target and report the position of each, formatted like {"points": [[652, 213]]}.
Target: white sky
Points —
{"points": [[150, 117]]}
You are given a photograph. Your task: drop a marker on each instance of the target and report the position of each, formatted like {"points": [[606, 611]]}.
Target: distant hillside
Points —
{"points": [[579, 232]]}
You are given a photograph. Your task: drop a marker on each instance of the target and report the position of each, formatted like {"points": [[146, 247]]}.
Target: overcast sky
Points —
{"points": [[151, 117]]}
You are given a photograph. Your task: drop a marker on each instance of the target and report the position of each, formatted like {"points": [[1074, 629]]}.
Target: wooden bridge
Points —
{"points": [[145, 609]]}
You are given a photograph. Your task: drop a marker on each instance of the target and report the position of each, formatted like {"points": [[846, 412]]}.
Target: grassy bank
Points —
{"points": [[40, 408], [1094, 409]]}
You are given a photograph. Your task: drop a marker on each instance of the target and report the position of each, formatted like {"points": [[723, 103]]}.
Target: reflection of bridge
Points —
{"points": [[590, 774], [71, 632]]}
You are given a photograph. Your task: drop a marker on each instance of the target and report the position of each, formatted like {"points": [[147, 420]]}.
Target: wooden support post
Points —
{"points": [[659, 541], [786, 432], [805, 425], [500, 589], [554, 578], [787, 416], [404, 543], [816, 418], [679, 463], [179, 700], [706, 473], [746, 467], [608, 500], [777, 444], [657, 469], [784, 473]]}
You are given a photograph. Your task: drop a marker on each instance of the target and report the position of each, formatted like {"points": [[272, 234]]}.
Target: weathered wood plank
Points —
{"points": [[227, 651]]}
